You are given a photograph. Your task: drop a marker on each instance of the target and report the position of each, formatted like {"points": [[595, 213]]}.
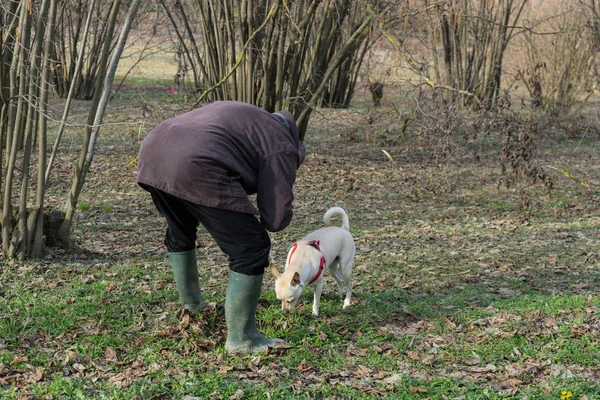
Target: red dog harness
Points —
{"points": [[317, 245]]}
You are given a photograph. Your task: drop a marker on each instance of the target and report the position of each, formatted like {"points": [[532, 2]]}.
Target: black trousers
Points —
{"points": [[239, 235]]}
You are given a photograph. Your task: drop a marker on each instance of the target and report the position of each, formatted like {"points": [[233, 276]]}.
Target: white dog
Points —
{"points": [[330, 247]]}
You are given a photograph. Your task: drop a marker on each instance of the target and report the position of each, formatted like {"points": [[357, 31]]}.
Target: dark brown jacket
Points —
{"points": [[219, 154]]}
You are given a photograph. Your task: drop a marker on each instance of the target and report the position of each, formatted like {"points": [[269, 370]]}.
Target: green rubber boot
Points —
{"points": [[241, 302], [186, 278]]}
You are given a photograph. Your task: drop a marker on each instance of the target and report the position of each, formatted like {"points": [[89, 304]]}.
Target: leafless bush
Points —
{"points": [[467, 41], [297, 55], [437, 133], [451, 136], [561, 57], [520, 146]]}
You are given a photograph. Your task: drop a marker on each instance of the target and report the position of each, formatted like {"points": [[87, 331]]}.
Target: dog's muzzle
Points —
{"points": [[287, 308]]}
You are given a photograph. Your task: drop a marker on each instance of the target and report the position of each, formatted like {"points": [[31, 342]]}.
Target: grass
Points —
{"points": [[388, 333], [414, 341], [460, 292]]}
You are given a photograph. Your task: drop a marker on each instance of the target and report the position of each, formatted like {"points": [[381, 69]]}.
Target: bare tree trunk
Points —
{"points": [[280, 61], [12, 140], [38, 230], [22, 247], [88, 151], [6, 48], [12, 75], [595, 10], [3, 119]]}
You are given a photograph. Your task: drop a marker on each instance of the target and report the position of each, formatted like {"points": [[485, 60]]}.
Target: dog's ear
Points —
{"points": [[296, 279], [274, 271]]}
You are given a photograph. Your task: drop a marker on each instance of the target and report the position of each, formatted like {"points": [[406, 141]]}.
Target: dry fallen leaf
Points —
{"points": [[303, 367], [476, 359], [129, 375], [110, 354], [38, 374], [283, 345], [279, 348], [225, 369], [392, 380], [237, 395], [256, 361], [417, 389], [578, 330], [486, 368], [69, 356], [79, 368], [512, 382], [363, 370], [18, 359], [87, 278], [408, 284]]}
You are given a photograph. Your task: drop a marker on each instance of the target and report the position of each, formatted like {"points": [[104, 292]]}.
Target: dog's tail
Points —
{"points": [[337, 210]]}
